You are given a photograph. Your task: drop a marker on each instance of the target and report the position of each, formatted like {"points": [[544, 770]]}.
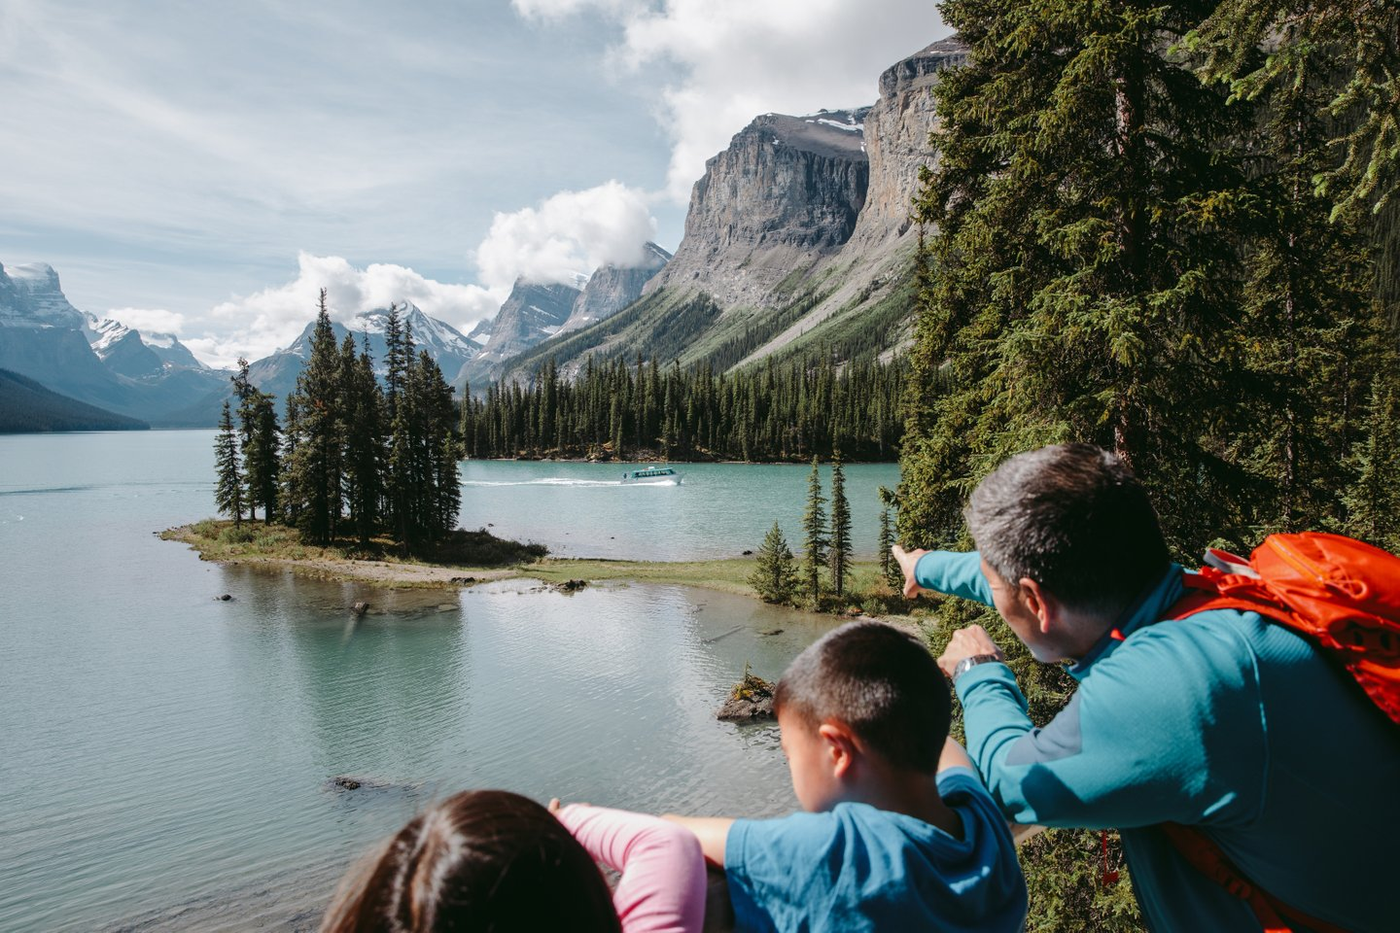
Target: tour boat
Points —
{"points": [[653, 475]]}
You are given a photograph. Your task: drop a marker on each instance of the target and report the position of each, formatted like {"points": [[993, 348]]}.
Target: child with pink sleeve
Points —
{"points": [[662, 889]]}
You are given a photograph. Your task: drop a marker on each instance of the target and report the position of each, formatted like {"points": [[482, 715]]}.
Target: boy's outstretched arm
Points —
{"points": [[954, 756], [712, 831]]}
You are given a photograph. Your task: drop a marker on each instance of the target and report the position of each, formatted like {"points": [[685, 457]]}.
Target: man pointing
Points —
{"points": [[1222, 722]]}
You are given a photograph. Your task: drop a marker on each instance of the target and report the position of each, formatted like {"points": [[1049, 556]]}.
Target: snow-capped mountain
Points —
{"points": [[134, 353], [100, 362], [277, 374], [30, 296]]}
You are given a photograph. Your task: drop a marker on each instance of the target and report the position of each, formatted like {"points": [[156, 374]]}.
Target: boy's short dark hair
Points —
{"points": [[881, 683]]}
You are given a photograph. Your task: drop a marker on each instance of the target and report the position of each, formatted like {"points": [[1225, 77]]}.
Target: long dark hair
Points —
{"points": [[485, 861]]}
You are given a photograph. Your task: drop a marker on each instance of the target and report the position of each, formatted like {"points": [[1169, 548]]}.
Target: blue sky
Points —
{"points": [[204, 167]]}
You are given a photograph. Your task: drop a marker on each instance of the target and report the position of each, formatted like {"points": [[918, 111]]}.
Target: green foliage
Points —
{"points": [[314, 461], [228, 489], [768, 412], [355, 459], [1374, 499], [751, 687], [838, 555], [890, 570], [815, 531], [261, 440], [774, 576]]}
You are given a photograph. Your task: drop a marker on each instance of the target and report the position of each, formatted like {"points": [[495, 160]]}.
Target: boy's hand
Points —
{"points": [[967, 643], [907, 560]]}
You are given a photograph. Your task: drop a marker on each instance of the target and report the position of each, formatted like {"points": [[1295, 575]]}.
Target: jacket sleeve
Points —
{"points": [[1160, 730], [957, 573], [662, 889]]}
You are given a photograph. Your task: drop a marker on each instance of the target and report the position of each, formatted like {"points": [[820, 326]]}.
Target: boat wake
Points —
{"points": [[547, 481]]}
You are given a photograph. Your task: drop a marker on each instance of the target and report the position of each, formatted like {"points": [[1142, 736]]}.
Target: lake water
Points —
{"points": [[165, 757]]}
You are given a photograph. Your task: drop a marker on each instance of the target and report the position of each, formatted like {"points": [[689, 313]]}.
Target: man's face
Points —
{"points": [[1007, 598], [809, 763]]}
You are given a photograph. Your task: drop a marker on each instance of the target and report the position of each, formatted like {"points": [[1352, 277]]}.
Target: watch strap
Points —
{"points": [[967, 664]]}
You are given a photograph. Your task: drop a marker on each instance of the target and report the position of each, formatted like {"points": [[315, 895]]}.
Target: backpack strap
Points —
{"points": [[1206, 857], [1213, 588]]}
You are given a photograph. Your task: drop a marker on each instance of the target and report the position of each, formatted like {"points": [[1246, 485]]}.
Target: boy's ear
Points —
{"points": [[839, 747]]}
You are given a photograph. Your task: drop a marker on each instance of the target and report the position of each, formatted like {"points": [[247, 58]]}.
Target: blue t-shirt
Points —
{"points": [[858, 868]]}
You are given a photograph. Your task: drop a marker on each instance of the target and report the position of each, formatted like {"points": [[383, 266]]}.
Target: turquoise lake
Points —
{"points": [[166, 757]]}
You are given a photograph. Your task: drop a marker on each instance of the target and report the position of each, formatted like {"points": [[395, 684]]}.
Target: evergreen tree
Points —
{"points": [[397, 355], [228, 491], [1083, 281], [363, 434], [774, 577], [314, 462], [261, 439], [889, 567], [1374, 498], [838, 555], [814, 525]]}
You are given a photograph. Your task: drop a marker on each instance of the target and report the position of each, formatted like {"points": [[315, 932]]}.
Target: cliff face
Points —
{"points": [[531, 314], [30, 296], [784, 194], [613, 288], [897, 139], [798, 240]]}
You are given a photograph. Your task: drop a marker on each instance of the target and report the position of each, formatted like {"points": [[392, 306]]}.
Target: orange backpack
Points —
{"points": [[1344, 596]]}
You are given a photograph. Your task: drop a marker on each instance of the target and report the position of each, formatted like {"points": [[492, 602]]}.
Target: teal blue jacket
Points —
{"points": [[1224, 721]]}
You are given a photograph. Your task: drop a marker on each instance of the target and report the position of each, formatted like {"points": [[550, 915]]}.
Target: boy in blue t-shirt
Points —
{"points": [[899, 833]]}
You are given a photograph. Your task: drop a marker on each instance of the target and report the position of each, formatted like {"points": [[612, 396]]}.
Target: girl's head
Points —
{"points": [[485, 861]]}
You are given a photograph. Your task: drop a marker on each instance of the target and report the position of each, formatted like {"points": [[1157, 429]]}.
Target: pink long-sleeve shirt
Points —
{"points": [[663, 871]]}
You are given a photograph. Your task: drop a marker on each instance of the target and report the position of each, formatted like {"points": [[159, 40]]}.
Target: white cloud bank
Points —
{"points": [[253, 326], [741, 58], [149, 320], [571, 232]]}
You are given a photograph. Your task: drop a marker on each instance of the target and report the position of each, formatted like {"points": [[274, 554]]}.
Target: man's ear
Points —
{"points": [[838, 747], [1044, 606]]}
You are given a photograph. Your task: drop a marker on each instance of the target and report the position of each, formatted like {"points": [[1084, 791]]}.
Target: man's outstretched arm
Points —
{"points": [[957, 573]]}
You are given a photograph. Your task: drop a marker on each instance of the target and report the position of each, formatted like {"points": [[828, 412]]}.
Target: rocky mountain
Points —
{"points": [[612, 288], [785, 193], [102, 363], [30, 296], [277, 374], [797, 240], [532, 313]]}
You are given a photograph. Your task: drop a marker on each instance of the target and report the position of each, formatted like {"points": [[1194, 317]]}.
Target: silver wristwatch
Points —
{"points": [[967, 664]]}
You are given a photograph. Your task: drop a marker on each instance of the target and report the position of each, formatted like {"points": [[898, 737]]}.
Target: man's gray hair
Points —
{"points": [[1073, 518]]}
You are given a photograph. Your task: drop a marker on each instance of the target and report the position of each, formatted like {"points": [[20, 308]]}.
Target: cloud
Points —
{"points": [[149, 320], [571, 232], [253, 326], [737, 59]]}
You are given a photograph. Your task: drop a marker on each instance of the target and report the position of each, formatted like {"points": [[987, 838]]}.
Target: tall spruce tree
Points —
{"points": [[814, 527], [1374, 497], [838, 555], [228, 489], [1083, 279], [889, 568], [261, 439], [363, 433], [314, 463], [774, 575]]}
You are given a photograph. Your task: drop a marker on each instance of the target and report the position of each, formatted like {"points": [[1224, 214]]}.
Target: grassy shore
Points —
{"points": [[478, 556]]}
